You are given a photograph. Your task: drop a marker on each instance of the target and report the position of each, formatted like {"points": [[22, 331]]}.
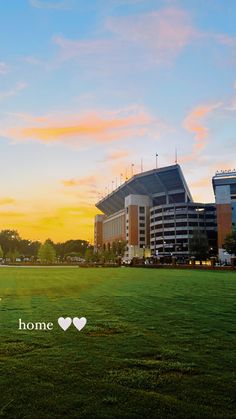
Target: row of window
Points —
{"points": [[183, 216], [182, 209], [173, 233], [169, 242], [183, 224]]}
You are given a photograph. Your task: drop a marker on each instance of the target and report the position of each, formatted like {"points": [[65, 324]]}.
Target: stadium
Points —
{"points": [[155, 214]]}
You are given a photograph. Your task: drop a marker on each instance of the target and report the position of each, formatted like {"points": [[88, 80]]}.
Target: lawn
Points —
{"points": [[157, 344]]}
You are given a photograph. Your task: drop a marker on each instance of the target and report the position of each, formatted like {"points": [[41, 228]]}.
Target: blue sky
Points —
{"points": [[88, 88]]}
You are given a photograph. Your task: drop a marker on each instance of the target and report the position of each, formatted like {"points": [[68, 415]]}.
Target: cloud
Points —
{"points": [[11, 214], [91, 127], [139, 41], [34, 61], [84, 181], [4, 68], [117, 155], [7, 201], [147, 39], [194, 124], [13, 92], [56, 5], [164, 33], [231, 105], [26, 117]]}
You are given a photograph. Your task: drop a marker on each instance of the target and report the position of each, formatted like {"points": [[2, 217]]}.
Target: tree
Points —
{"points": [[12, 255], [9, 240], [198, 245], [88, 255], [1, 252], [46, 252], [69, 247], [27, 248], [108, 256], [230, 243], [118, 247]]}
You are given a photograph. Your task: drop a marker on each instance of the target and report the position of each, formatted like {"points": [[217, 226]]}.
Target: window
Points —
{"points": [[181, 224], [169, 217], [141, 224], [141, 218], [141, 231], [181, 232], [169, 225], [169, 233], [142, 210]]}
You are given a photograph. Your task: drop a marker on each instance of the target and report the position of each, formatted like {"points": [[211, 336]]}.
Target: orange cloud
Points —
{"points": [[11, 214], [84, 181], [7, 201], [193, 123], [93, 127]]}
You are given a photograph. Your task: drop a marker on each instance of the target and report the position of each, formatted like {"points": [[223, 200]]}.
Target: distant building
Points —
{"points": [[224, 185], [155, 214]]}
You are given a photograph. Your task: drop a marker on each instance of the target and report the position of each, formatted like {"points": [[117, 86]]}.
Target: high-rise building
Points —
{"points": [[224, 185], [155, 214]]}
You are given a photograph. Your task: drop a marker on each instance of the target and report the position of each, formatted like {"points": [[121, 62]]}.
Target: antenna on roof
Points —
{"points": [[141, 165], [156, 160], [176, 156]]}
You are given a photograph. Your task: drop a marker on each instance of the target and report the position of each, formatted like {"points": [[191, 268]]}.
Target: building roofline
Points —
{"points": [[147, 173]]}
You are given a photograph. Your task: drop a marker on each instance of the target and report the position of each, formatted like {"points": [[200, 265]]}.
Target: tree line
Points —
{"points": [[13, 247]]}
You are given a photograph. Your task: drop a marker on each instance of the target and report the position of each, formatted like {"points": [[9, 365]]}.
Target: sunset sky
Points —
{"points": [[88, 88]]}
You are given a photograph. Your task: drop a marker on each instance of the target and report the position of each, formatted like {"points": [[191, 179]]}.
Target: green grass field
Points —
{"points": [[157, 344]]}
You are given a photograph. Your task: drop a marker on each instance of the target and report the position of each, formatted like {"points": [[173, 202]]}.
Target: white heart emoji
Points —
{"points": [[64, 323], [79, 323]]}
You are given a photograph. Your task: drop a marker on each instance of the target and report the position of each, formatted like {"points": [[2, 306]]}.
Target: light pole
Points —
{"points": [[164, 247], [132, 169]]}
